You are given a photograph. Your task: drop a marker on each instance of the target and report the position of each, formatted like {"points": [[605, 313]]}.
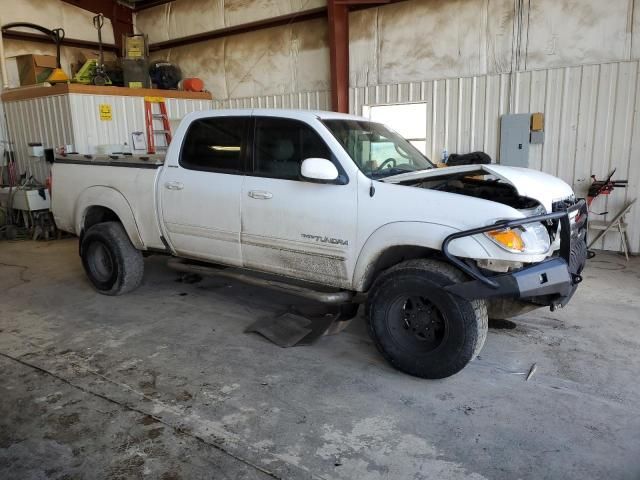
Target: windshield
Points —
{"points": [[376, 150]]}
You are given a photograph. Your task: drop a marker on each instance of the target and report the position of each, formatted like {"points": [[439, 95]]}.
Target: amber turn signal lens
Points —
{"points": [[508, 238]]}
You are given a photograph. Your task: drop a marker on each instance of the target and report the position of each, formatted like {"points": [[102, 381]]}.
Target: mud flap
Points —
{"points": [[290, 329]]}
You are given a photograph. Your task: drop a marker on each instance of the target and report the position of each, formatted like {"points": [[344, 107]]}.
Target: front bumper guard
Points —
{"points": [[550, 282]]}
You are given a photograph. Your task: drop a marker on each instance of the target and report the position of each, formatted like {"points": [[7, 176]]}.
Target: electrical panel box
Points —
{"points": [[515, 132], [537, 137]]}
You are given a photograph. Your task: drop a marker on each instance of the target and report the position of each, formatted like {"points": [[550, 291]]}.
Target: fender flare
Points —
{"points": [[413, 234], [102, 196]]}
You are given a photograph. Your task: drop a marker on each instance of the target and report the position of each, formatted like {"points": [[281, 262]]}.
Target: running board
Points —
{"points": [[332, 298]]}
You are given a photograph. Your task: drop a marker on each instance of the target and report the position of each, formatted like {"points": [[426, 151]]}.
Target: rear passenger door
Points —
{"points": [[200, 197], [290, 226]]}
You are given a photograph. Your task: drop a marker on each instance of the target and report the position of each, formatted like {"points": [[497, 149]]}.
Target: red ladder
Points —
{"points": [[150, 116]]}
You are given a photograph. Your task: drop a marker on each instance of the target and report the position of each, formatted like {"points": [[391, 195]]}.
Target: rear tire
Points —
{"points": [[114, 266], [419, 327]]}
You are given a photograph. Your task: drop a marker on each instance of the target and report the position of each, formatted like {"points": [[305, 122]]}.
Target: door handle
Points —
{"points": [[260, 194], [173, 186]]}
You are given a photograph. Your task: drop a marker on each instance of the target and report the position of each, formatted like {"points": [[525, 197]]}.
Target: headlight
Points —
{"points": [[531, 238]]}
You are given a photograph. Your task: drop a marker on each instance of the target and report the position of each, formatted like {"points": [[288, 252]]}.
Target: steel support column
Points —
{"points": [[338, 14]]}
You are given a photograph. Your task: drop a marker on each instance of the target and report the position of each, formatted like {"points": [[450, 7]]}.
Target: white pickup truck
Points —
{"points": [[338, 209]]}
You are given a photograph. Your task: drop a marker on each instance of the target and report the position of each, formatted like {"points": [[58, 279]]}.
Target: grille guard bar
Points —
{"points": [[565, 237]]}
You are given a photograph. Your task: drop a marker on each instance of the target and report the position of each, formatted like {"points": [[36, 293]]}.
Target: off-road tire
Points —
{"points": [[463, 323], [114, 266]]}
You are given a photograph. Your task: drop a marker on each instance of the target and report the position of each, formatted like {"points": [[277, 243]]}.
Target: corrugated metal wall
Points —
{"points": [[89, 130], [45, 120], [128, 117], [74, 119], [591, 123], [462, 113], [319, 100]]}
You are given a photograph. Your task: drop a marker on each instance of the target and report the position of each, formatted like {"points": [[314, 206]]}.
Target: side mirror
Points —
{"points": [[318, 170]]}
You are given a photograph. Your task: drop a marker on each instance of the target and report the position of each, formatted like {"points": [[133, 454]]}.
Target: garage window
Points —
{"points": [[408, 119], [215, 144]]}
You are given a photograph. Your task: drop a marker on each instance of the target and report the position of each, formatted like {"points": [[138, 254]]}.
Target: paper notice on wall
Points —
{"points": [[105, 112]]}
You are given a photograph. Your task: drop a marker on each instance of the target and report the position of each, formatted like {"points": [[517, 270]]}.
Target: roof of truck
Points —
{"points": [[280, 112]]}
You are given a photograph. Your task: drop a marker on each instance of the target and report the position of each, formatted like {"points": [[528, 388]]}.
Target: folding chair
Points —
{"points": [[618, 224]]}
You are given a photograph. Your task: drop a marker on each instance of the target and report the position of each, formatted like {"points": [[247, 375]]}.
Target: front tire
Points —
{"points": [[114, 266], [419, 327]]}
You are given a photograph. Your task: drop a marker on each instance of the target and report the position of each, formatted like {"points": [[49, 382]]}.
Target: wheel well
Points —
{"points": [[394, 255], [98, 214]]}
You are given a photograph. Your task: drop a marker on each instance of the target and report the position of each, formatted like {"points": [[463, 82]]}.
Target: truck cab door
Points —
{"points": [[293, 227], [200, 195]]}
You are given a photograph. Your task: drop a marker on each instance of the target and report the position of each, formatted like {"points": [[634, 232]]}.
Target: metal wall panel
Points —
{"points": [[592, 123], [74, 119], [463, 114], [319, 100], [128, 117], [45, 120], [89, 130]]}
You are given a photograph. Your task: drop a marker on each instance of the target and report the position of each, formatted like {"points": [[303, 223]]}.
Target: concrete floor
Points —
{"points": [[163, 383]]}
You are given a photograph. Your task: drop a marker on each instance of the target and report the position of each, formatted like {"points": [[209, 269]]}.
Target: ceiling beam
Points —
{"points": [[67, 42], [149, 4], [287, 19]]}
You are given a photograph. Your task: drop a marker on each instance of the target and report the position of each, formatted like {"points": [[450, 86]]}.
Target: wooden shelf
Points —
{"points": [[24, 93]]}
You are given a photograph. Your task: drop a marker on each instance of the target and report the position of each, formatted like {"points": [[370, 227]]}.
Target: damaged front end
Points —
{"points": [[551, 282]]}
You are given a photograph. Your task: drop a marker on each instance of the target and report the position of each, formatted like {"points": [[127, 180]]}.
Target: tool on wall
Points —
{"points": [[56, 35], [150, 117], [100, 76], [93, 71], [604, 187], [617, 223]]}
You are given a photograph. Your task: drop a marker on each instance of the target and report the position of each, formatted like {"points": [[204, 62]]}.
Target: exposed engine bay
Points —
{"points": [[482, 186]]}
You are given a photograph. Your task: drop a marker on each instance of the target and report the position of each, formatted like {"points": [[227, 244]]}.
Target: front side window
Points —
{"points": [[215, 144], [377, 151], [282, 144]]}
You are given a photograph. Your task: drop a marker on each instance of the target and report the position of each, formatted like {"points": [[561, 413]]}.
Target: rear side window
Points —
{"points": [[282, 144], [215, 144]]}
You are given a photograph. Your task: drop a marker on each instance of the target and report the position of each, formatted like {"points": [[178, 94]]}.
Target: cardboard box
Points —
{"points": [[537, 122], [33, 69]]}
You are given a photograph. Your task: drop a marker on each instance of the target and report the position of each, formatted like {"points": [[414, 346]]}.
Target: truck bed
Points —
{"points": [[125, 180], [116, 160]]}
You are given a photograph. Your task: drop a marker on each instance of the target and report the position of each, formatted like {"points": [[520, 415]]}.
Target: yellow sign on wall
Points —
{"points": [[105, 112]]}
